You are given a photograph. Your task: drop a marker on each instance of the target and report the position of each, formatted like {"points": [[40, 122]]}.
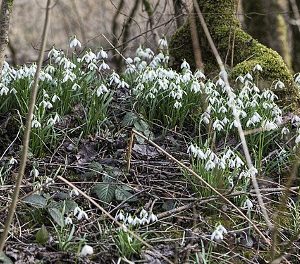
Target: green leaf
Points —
{"points": [[105, 191], [42, 236], [5, 259], [57, 216], [129, 119], [36, 200], [123, 193]]}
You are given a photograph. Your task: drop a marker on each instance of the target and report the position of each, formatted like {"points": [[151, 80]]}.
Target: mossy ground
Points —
{"points": [[235, 46]]}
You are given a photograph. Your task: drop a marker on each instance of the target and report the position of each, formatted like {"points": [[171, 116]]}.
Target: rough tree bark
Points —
{"points": [[229, 38], [6, 9], [266, 21]]}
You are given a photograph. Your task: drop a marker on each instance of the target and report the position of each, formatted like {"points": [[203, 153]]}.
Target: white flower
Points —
{"points": [[12, 161], [74, 192], [76, 210], [101, 90], [102, 54], [185, 65], [177, 105], [217, 235], [162, 43], [34, 172], [285, 131], [136, 221], [86, 250], [35, 124], [4, 90], [129, 219], [103, 66], [46, 104], [279, 85], [75, 87], [248, 76], [248, 204], [120, 216], [152, 218], [89, 56], [75, 42], [143, 213], [82, 214], [55, 98], [297, 140], [199, 74], [269, 125], [123, 84], [257, 68], [240, 79], [68, 221]]}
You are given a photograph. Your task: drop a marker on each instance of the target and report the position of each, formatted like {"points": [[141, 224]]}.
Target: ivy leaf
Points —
{"points": [[42, 236], [105, 191], [36, 200], [123, 193], [57, 216]]}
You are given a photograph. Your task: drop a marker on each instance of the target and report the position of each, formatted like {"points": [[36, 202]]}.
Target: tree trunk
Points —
{"points": [[295, 16], [232, 41], [266, 21], [6, 8]]}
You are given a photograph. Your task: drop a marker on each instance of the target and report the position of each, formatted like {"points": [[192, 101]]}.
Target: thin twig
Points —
{"points": [[205, 183], [26, 132], [235, 114]]}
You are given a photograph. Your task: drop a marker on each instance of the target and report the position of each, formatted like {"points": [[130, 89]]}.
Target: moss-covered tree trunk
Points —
{"points": [[232, 41], [266, 21], [294, 11], [6, 8]]}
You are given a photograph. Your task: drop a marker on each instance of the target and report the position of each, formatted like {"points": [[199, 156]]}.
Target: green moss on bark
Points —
{"points": [[227, 34]]}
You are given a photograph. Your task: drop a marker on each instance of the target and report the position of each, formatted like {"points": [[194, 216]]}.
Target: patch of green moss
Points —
{"points": [[230, 39]]}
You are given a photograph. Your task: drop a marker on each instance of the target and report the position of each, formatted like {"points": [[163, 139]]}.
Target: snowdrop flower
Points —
{"points": [[35, 124], [74, 43], [53, 120], [75, 87], [3, 89], [136, 221], [53, 53], [143, 213], [81, 215], [199, 75], [162, 43], [92, 66], [257, 68], [103, 66], [120, 216], [46, 104], [123, 84], [177, 105], [68, 221], [101, 90], [285, 131], [249, 77], [269, 125], [195, 87], [89, 57], [220, 82], [240, 79], [86, 250], [34, 172], [114, 78], [185, 65], [49, 181], [12, 161], [102, 54], [76, 210], [247, 204], [55, 98], [74, 192], [129, 219], [152, 218], [218, 125], [217, 235], [279, 85]]}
